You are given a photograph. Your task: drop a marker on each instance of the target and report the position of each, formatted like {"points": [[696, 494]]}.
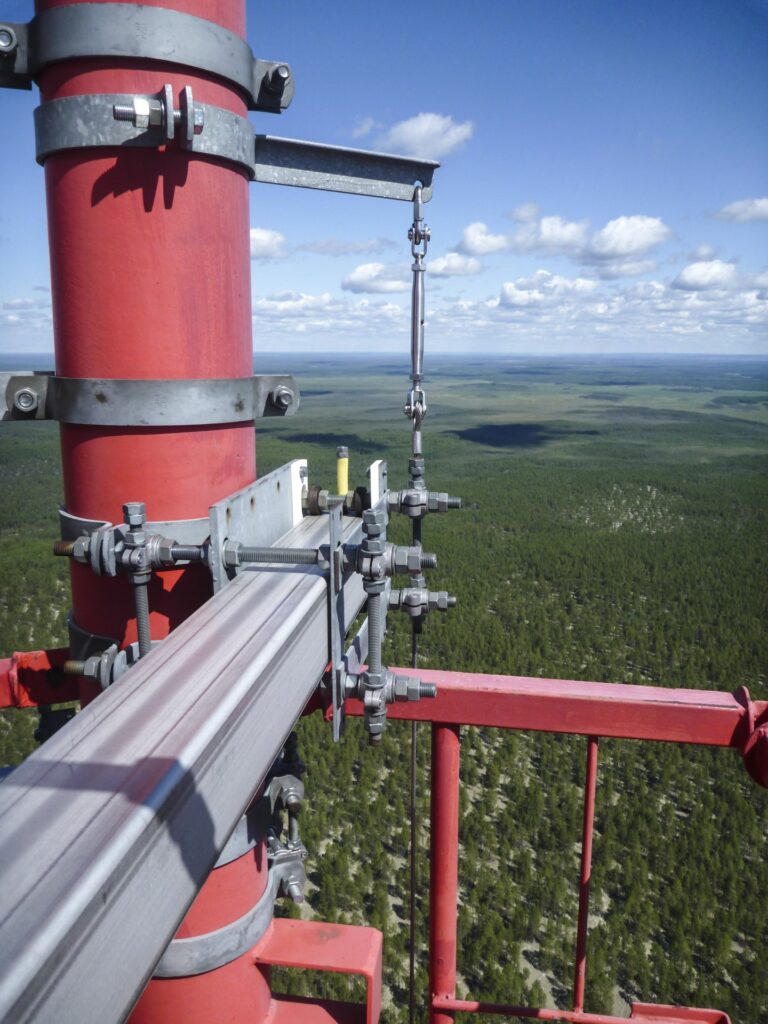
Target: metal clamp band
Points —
{"points": [[135, 31], [183, 531], [147, 403], [77, 122], [186, 957]]}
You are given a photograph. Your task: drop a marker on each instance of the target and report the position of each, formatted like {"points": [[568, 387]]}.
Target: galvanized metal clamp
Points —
{"points": [[136, 31], [146, 403]]}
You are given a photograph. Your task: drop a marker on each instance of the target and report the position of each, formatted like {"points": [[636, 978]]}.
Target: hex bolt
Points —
{"points": [[282, 397], [428, 561], [73, 668], [8, 41], [293, 889], [277, 78], [64, 548], [25, 400], [427, 690]]}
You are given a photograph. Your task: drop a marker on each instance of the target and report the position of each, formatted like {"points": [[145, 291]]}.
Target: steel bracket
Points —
{"points": [[339, 169], [259, 515], [139, 32], [184, 958], [76, 122], [253, 825], [146, 403]]}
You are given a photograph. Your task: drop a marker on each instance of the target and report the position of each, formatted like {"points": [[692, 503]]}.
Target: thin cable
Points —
{"points": [[414, 839]]}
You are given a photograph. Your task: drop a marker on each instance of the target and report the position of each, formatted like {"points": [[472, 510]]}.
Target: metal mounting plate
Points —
{"points": [[146, 403], [257, 515], [136, 31]]}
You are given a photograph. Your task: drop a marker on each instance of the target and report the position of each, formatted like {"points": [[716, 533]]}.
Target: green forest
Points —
{"points": [[614, 528]]}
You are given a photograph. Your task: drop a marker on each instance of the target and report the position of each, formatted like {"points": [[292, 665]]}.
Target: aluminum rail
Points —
{"points": [[108, 831]]}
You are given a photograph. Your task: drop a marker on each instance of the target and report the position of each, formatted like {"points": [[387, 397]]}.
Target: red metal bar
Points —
{"points": [[619, 710], [443, 868], [315, 945], [641, 1012], [582, 926], [31, 678]]}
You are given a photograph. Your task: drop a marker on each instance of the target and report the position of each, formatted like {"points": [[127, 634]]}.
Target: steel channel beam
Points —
{"points": [[618, 710], [108, 831]]}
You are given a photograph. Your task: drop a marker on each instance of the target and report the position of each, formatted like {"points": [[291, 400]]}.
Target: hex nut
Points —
{"points": [[282, 397], [8, 41], [80, 549], [26, 400], [141, 112], [134, 513]]}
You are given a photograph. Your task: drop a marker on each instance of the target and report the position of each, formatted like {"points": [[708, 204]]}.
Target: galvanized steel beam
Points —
{"points": [[124, 812]]}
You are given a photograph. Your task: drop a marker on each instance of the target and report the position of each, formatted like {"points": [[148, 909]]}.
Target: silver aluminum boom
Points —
{"points": [[108, 831]]}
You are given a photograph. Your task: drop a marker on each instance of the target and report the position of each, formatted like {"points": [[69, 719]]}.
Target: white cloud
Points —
{"points": [[476, 240], [628, 237], [550, 234], [525, 213], [428, 136], [745, 210], [377, 279], [340, 247], [543, 288], [702, 252], [619, 249], [364, 126], [292, 304], [454, 264], [705, 275], [266, 244], [284, 315], [20, 304]]}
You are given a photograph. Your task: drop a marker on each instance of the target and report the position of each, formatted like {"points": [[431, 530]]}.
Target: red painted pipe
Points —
{"points": [[582, 926], [444, 867], [645, 1012], [150, 277]]}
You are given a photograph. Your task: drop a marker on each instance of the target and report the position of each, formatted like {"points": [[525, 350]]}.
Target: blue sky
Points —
{"points": [[604, 185]]}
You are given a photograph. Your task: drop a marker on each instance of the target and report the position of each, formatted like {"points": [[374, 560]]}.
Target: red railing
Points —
{"points": [[559, 706]]}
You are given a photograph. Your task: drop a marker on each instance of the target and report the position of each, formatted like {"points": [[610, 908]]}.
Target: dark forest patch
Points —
{"points": [[353, 441], [519, 435]]}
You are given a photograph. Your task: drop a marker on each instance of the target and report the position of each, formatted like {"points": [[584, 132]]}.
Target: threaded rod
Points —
{"points": [[63, 547], [188, 553], [454, 503], [141, 603], [428, 560], [73, 668], [427, 690], [374, 632], [283, 556]]}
